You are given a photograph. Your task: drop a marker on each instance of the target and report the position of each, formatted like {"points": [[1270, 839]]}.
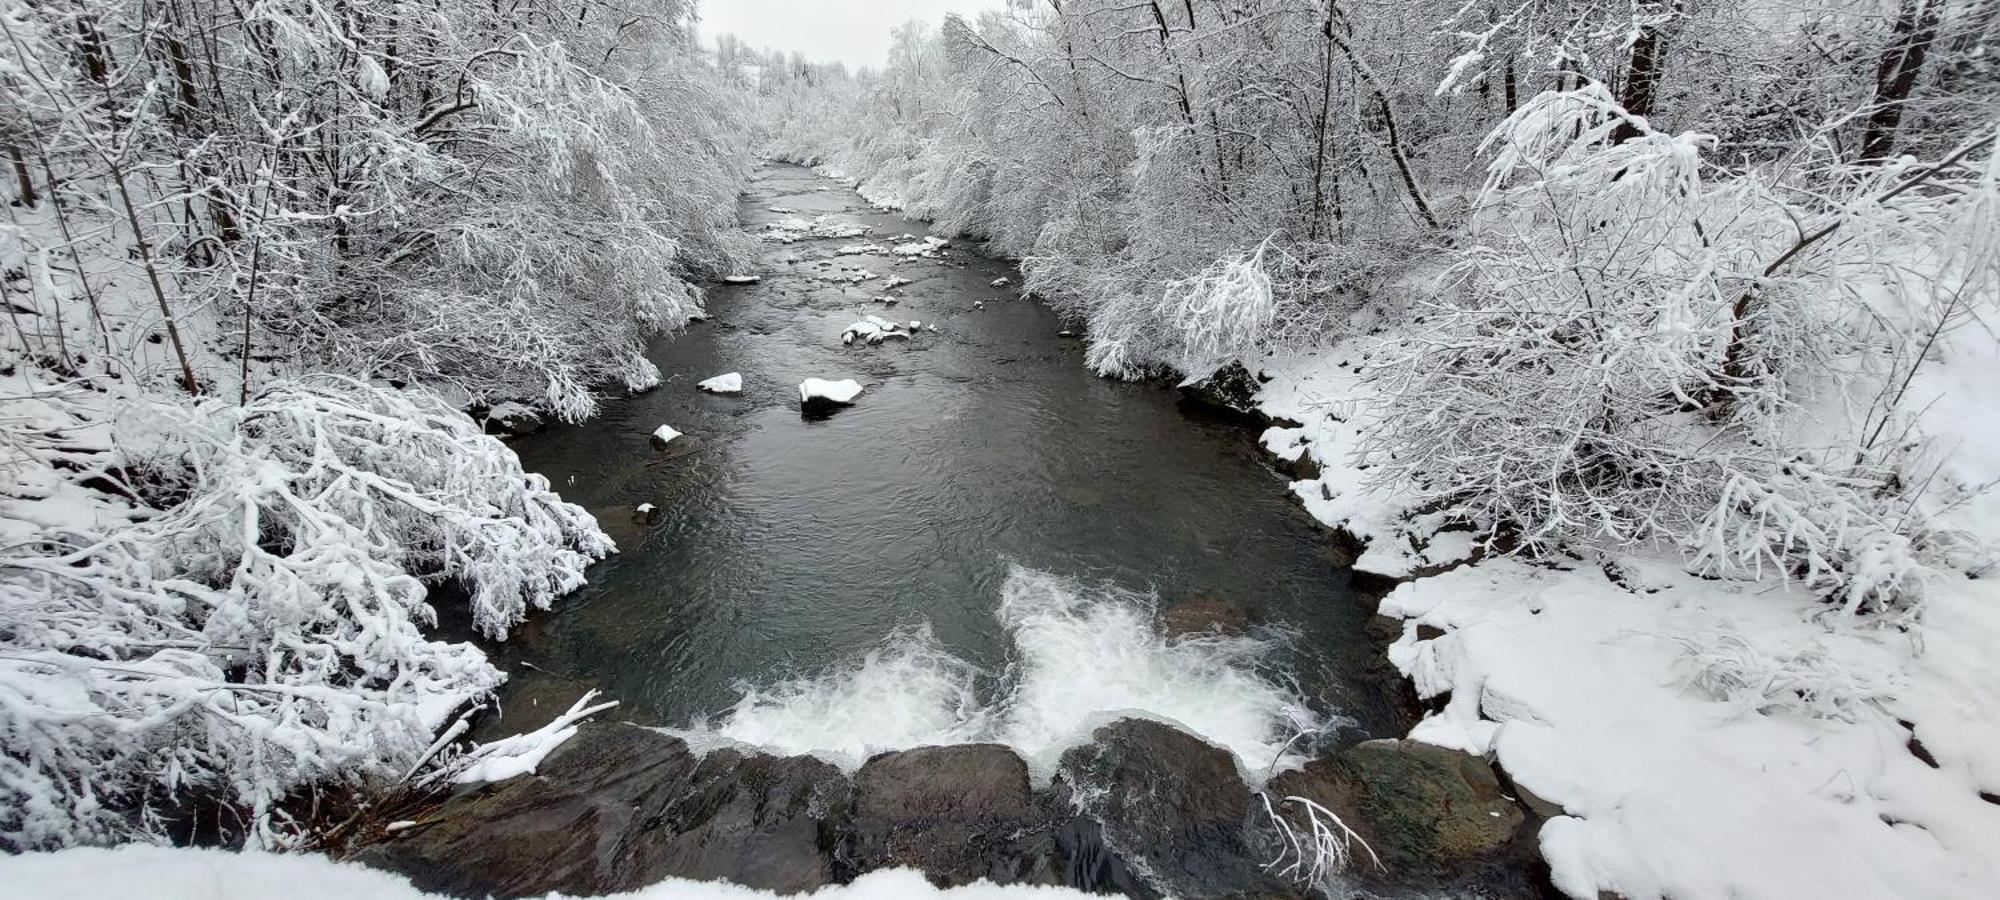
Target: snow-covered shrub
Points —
{"points": [[1635, 347], [253, 625]]}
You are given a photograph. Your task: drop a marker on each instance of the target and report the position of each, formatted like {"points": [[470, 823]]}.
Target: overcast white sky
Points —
{"points": [[855, 32]]}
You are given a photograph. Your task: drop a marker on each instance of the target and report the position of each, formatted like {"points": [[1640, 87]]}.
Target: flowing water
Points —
{"points": [[974, 550]]}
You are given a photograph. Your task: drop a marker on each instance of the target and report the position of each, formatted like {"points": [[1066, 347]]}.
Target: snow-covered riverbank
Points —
{"points": [[1689, 737]]}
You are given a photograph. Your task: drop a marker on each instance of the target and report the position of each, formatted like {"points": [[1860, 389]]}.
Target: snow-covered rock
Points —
{"points": [[895, 281], [742, 279], [873, 330], [665, 435], [926, 248], [726, 383], [1001, 282], [824, 228], [821, 395]]}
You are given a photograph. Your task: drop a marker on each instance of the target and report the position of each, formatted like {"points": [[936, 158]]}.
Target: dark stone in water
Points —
{"points": [[1203, 615], [619, 807], [959, 813], [1170, 805]]}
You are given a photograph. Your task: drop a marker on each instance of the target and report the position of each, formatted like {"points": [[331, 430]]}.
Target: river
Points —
{"points": [[972, 551]]}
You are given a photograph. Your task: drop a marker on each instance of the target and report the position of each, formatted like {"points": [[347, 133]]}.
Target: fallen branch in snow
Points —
{"points": [[1324, 850]]}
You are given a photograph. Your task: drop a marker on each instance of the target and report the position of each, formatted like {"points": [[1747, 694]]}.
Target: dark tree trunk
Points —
{"points": [[25, 181], [1642, 74], [1896, 73]]}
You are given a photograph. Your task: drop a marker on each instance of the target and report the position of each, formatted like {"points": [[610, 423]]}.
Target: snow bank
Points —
{"points": [[1324, 392], [726, 383], [1723, 744], [1703, 738], [164, 873], [1084, 654]]}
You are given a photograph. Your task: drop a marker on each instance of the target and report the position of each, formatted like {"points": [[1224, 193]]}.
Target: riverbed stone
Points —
{"points": [[1421, 807], [618, 807], [959, 813], [1203, 615], [1172, 806]]}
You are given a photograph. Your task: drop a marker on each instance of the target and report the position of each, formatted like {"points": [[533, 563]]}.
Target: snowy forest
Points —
{"points": [[1578, 320]]}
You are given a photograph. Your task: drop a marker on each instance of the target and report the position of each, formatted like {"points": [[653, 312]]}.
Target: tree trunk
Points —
{"points": [[22, 179], [1642, 73], [1910, 40]]}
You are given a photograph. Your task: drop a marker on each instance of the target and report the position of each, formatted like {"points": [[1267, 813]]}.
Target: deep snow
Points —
{"points": [[1703, 738]]}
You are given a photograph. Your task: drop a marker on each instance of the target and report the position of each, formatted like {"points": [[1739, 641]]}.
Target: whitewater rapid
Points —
{"points": [[1082, 655]]}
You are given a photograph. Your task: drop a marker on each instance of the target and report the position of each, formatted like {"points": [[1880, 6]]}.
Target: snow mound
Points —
{"points": [[821, 391], [726, 383]]}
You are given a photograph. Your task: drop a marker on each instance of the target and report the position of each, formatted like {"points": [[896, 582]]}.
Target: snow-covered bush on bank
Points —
{"points": [[248, 621], [1630, 348]]}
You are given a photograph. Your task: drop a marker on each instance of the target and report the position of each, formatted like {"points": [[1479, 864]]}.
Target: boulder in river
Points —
{"points": [[726, 383], [618, 807], [960, 813], [1204, 615], [818, 396], [1421, 807], [741, 279], [664, 435], [1171, 805]]}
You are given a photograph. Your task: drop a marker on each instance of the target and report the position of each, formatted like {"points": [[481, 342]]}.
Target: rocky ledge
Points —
{"points": [[1144, 810]]}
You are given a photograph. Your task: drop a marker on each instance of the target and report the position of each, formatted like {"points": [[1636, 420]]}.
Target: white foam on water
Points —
{"points": [[1083, 655], [905, 693]]}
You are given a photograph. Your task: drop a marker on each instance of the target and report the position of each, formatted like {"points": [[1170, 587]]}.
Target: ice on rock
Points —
{"points": [[665, 435], [727, 383]]}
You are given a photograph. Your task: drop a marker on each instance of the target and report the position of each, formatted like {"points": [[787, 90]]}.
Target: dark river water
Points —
{"points": [[971, 551]]}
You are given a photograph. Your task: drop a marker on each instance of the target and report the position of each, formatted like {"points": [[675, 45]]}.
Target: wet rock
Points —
{"points": [[1229, 395], [618, 807], [959, 813], [756, 820], [514, 419], [1202, 615], [1172, 806], [556, 830], [1422, 808]]}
